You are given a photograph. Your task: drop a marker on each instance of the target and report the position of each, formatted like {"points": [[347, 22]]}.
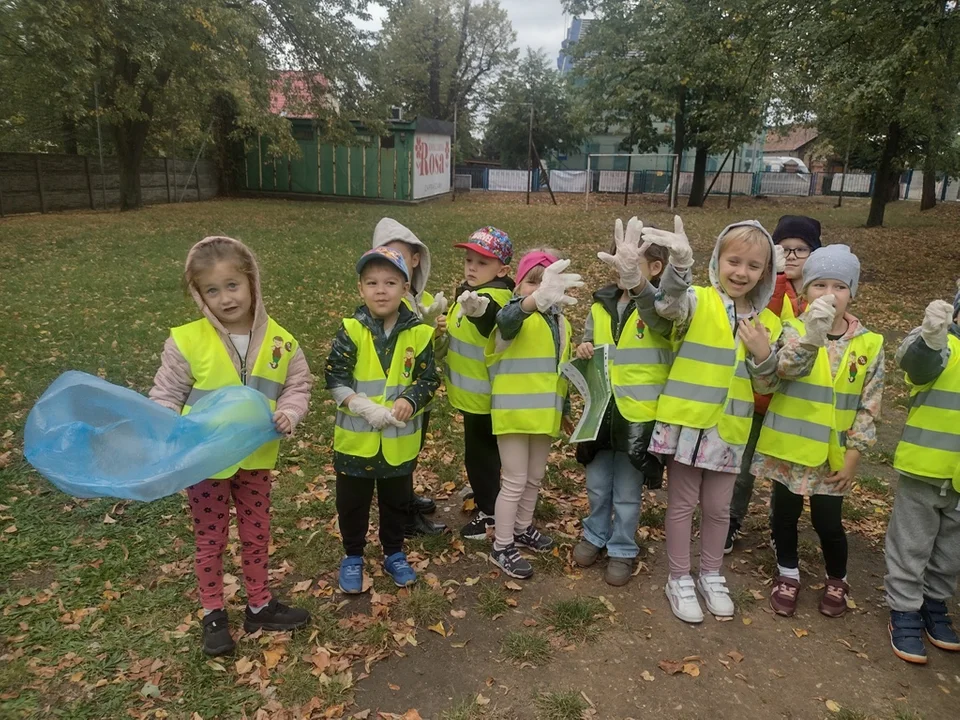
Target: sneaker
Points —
{"points": [[784, 596], [733, 534], [424, 505], [419, 524], [834, 600], [585, 553], [534, 539], [682, 595], [906, 636], [476, 529], [399, 569], [938, 624], [275, 617], [618, 572], [511, 562], [216, 634], [715, 593], [351, 575]]}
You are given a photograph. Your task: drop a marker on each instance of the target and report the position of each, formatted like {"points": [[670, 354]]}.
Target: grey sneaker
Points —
{"points": [[619, 571], [511, 562], [585, 553], [534, 539]]}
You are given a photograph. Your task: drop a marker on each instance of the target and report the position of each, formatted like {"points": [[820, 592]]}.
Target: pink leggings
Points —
{"points": [[210, 507], [685, 486]]}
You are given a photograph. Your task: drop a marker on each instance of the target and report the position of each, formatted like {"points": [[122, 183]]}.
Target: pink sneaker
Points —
{"points": [[784, 596]]}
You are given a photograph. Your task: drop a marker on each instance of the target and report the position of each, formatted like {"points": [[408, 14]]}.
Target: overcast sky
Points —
{"points": [[538, 23]]}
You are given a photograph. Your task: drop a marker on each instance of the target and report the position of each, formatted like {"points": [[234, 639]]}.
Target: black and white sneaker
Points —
{"points": [[511, 562], [733, 534], [534, 539], [476, 529], [216, 634]]}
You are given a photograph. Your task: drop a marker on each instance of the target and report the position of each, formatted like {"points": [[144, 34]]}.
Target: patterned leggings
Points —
{"points": [[210, 507]]}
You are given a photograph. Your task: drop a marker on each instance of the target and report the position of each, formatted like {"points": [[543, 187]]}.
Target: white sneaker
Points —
{"points": [[716, 594], [683, 599]]}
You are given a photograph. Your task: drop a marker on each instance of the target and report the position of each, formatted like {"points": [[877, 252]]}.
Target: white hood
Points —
{"points": [[387, 231]]}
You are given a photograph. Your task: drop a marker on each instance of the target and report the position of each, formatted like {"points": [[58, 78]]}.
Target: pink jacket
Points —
{"points": [[173, 381]]}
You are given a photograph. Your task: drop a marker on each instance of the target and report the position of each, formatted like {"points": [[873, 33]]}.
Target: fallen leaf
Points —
{"points": [[302, 586], [670, 667], [735, 656], [691, 669], [607, 604], [481, 700], [216, 666], [438, 629], [150, 690], [107, 520], [747, 621], [511, 585], [243, 665], [800, 632], [392, 686], [646, 676], [412, 715], [851, 605], [471, 581], [511, 601], [273, 656], [459, 644], [459, 614], [832, 706], [11, 529], [529, 622]]}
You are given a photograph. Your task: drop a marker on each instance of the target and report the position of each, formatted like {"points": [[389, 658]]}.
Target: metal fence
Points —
{"points": [[658, 182]]}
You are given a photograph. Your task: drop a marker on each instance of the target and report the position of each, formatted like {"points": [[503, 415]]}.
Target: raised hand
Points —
{"points": [[936, 324], [472, 304], [681, 254], [818, 321], [437, 308], [780, 259], [756, 337], [553, 288], [626, 261]]}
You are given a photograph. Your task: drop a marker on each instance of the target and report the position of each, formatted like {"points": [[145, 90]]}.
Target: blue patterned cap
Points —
{"points": [[384, 253]]}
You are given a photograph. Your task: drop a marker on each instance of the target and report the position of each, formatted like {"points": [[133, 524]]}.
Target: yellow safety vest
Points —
{"points": [[639, 363], [355, 436], [709, 384], [786, 310], [211, 367], [528, 389], [930, 444], [809, 417], [468, 382]]}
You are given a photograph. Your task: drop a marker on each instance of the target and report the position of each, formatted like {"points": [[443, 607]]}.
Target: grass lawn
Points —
{"points": [[98, 598]]}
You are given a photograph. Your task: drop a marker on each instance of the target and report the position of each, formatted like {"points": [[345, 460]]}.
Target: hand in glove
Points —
{"points": [[553, 288], [780, 259], [437, 308], [627, 259], [472, 304], [681, 254], [936, 323], [818, 321], [377, 415]]}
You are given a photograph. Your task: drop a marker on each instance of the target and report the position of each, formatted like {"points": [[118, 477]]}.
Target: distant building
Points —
{"points": [[797, 142], [578, 27]]}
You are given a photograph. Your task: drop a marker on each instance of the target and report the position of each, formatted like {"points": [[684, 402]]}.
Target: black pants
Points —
{"points": [[481, 456], [354, 496], [826, 514]]}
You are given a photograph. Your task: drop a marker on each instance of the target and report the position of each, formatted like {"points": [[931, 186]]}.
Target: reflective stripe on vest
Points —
{"points": [[355, 436], [641, 365], [708, 384], [468, 382], [809, 417], [212, 368], [930, 444], [528, 390]]}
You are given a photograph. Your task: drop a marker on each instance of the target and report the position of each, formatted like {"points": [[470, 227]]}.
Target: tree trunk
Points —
{"points": [[699, 176], [885, 173], [229, 152], [679, 136], [71, 146], [130, 137], [434, 69], [929, 197]]}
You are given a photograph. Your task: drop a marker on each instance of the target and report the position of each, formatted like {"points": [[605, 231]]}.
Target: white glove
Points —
{"points": [[377, 415], [437, 308], [780, 258], [472, 304], [681, 254], [553, 288], [627, 260], [936, 322], [819, 319]]}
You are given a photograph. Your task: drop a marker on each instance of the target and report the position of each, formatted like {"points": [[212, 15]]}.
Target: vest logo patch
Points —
{"points": [[641, 327], [279, 346], [408, 358], [853, 370]]}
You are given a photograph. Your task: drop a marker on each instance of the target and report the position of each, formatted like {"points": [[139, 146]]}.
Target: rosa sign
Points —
{"points": [[431, 165]]}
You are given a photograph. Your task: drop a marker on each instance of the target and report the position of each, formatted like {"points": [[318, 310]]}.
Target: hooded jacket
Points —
{"points": [[387, 231], [339, 375], [173, 381]]}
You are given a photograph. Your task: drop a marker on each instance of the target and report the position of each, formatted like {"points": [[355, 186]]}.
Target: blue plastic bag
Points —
{"points": [[91, 438]]}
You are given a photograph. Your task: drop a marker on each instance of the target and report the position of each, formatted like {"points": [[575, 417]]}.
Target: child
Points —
{"points": [[382, 376], [923, 538], [705, 410], [234, 344], [796, 236], [829, 382], [617, 463], [485, 290], [430, 310], [528, 394]]}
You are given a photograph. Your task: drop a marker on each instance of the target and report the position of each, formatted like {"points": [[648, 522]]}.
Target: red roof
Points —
{"points": [[291, 94], [791, 141]]}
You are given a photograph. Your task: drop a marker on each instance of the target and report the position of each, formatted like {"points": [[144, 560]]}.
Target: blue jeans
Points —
{"points": [[615, 490]]}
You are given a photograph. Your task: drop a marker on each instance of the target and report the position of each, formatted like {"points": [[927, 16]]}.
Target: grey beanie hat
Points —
{"points": [[833, 262]]}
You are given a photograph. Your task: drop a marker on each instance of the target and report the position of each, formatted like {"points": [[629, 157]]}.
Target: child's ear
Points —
{"points": [[503, 271], [406, 286], [415, 260], [656, 268]]}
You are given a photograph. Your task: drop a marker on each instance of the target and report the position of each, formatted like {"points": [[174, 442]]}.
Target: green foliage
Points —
{"points": [[526, 646], [575, 617], [563, 705], [558, 122]]}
